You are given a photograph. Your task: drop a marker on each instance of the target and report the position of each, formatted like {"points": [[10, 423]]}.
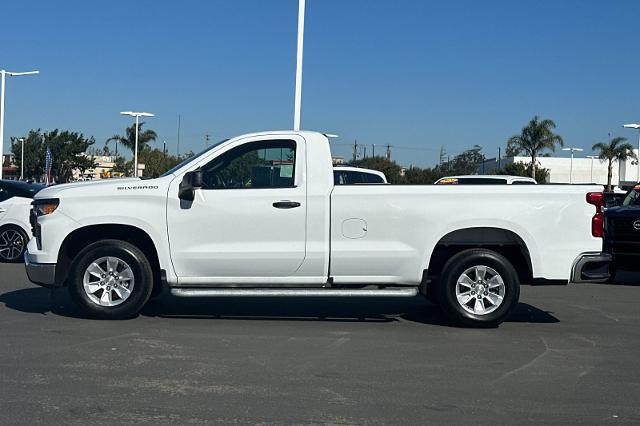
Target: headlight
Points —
{"points": [[45, 206]]}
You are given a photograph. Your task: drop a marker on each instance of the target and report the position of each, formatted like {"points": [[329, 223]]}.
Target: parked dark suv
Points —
{"points": [[622, 232]]}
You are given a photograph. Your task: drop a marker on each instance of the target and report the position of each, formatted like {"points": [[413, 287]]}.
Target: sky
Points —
{"points": [[417, 75]]}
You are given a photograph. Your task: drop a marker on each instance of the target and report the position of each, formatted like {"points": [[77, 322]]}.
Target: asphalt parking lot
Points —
{"points": [[568, 354]]}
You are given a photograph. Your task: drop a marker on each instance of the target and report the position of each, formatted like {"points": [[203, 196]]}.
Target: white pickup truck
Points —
{"points": [[259, 215]]}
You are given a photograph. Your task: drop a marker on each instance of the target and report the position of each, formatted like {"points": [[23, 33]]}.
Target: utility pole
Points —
{"points": [[443, 155], [206, 139], [355, 149], [388, 152], [373, 148], [499, 157], [365, 151]]}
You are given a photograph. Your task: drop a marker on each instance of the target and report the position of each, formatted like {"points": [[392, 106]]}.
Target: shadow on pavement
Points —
{"points": [[42, 301]]}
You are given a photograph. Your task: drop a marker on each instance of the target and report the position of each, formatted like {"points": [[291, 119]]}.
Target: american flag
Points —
{"points": [[48, 160]]}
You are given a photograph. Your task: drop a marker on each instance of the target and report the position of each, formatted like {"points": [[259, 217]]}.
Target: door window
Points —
{"points": [[264, 164]]}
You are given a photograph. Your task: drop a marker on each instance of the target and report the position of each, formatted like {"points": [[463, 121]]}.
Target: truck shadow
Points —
{"points": [[43, 301]]}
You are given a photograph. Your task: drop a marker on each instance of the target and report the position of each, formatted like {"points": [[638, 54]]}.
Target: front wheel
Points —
{"points": [[111, 279], [478, 288], [13, 243]]}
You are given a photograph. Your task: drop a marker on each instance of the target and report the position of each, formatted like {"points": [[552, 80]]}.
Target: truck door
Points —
{"points": [[249, 218]]}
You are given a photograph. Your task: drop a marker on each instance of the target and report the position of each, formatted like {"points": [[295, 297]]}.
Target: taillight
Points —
{"points": [[597, 221]]}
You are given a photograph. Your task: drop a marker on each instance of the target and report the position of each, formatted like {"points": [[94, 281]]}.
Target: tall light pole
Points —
{"points": [[298, 94], [21, 159], [571, 167], [137, 115], [593, 157], [3, 75], [637, 127]]}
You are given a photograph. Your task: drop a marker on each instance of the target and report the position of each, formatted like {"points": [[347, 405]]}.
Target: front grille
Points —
{"points": [[622, 229], [33, 220]]}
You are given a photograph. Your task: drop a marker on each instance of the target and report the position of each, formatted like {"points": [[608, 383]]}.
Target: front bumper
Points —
{"points": [[43, 274], [591, 267]]}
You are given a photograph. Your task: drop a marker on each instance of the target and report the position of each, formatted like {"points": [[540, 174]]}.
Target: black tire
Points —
{"points": [[448, 282], [134, 258], [8, 253], [613, 271]]}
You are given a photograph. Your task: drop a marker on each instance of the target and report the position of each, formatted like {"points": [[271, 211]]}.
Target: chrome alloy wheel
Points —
{"points": [[11, 245], [480, 290], [108, 281]]}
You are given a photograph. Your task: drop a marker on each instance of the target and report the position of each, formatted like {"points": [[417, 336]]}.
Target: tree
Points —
{"points": [[156, 162], [129, 139], [618, 149], [390, 168], [67, 151], [419, 176], [121, 167], [535, 137], [467, 162]]}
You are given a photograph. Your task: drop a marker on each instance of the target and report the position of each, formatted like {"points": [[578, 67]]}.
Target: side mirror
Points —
{"points": [[190, 182]]}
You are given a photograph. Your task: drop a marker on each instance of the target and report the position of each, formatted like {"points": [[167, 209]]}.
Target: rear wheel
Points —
{"points": [[13, 243], [111, 279], [478, 288]]}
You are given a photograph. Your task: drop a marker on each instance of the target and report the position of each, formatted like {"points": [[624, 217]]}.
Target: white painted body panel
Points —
{"points": [[354, 234], [15, 211]]}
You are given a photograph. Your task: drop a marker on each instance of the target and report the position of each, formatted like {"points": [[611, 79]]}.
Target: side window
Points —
{"points": [[522, 182], [482, 181], [371, 178], [4, 194], [353, 178], [265, 164]]}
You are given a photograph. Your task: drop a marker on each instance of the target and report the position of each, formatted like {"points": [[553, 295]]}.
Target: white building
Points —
{"points": [[103, 169], [583, 170]]}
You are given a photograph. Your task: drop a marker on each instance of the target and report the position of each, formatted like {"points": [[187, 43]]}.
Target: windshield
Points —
{"points": [[182, 163], [633, 197]]}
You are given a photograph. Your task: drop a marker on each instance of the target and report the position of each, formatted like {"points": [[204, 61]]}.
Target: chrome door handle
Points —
{"points": [[286, 204], [3, 210]]}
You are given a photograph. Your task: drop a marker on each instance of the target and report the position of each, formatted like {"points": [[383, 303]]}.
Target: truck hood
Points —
{"points": [[106, 185]]}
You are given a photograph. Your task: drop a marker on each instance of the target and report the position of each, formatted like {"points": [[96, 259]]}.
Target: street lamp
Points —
{"points": [[21, 159], [637, 127], [571, 167], [137, 115], [298, 93], [3, 75], [593, 157]]}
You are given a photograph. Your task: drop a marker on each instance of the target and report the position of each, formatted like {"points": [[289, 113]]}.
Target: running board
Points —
{"points": [[293, 292]]}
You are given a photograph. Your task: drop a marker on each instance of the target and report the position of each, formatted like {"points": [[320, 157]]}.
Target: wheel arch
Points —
{"points": [[12, 224], [503, 241], [81, 237]]}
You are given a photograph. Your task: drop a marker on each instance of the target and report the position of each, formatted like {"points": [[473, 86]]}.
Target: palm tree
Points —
{"points": [[144, 137], [618, 149], [535, 137]]}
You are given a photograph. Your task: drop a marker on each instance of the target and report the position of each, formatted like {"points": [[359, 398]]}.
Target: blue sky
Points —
{"points": [[414, 74]]}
